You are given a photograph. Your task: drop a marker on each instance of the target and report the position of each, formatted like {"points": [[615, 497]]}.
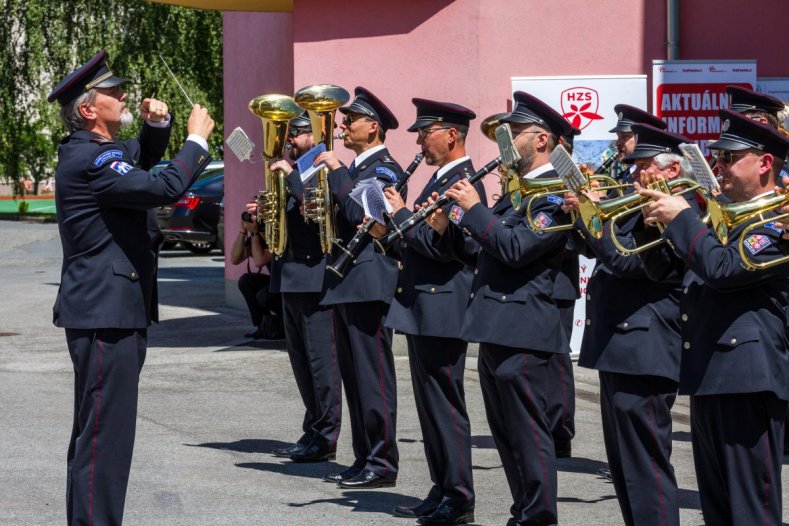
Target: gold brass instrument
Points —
{"points": [[615, 209], [275, 111], [737, 213], [541, 188], [321, 101]]}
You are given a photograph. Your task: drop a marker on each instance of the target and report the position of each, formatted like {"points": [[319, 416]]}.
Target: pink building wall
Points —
{"points": [[465, 51]]}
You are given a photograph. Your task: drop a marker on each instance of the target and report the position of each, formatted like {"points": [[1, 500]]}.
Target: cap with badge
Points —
{"points": [[628, 115], [738, 132], [96, 73], [654, 141], [365, 103], [531, 110], [743, 99], [432, 111], [300, 123]]}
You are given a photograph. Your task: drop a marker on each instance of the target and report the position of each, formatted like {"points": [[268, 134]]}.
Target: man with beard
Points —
{"points": [[361, 300], [107, 296], [513, 284], [298, 274], [428, 306]]}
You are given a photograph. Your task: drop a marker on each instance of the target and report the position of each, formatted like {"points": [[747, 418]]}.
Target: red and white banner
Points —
{"points": [[688, 94]]}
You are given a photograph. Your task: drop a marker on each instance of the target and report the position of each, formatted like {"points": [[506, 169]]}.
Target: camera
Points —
{"points": [[246, 217]]}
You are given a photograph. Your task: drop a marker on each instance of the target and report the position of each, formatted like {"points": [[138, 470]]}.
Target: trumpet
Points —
{"points": [[541, 188], [737, 213], [354, 247]]}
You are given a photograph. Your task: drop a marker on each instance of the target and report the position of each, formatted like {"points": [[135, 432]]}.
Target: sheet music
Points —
{"points": [[240, 145], [369, 194], [509, 153], [304, 163], [702, 173], [567, 170]]}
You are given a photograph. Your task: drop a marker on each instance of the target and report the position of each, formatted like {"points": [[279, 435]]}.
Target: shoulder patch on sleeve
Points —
{"points": [[542, 221], [555, 199], [387, 172], [772, 226], [106, 156], [756, 243], [121, 167], [455, 214]]}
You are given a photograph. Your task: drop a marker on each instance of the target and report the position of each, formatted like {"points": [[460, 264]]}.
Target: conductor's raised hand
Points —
{"points": [[153, 110], [200, 122]]}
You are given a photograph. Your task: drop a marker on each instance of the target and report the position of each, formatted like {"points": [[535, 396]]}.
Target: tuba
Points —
{"points": [[763, 210], [275, 111], [321, 101]]}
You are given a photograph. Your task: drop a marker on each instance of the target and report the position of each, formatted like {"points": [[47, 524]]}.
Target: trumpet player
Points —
{"points": [[513, 282], [298, 275], [632, 338], [428, 305], [361, 300], [625, 143], [734, 359]]}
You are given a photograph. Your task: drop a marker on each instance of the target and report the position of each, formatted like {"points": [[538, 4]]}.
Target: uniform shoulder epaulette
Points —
{"points": [[101, 140]]}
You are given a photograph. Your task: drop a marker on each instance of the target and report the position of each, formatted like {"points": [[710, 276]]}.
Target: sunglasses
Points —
{"points": [[348, 120], [729, 156], [295, 132]]}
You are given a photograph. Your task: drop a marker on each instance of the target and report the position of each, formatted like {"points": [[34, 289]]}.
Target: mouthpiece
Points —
{"points": [[339, 136]]}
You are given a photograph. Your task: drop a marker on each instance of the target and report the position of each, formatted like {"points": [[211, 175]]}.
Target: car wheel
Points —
{"points": [[200, 248]]}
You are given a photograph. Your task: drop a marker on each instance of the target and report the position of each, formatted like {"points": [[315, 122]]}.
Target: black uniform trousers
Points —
{"points": [[636, 415], [260, 301], [309, 330], [561, 388], [107, 365], [514, 388], [738, 452], [437, 368], [364, 351]]}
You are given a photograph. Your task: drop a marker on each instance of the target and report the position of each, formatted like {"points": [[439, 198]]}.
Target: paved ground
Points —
{"points": [[213, 406]]}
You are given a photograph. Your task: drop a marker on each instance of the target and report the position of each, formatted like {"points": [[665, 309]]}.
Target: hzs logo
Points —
{"points": [[579, 106]]}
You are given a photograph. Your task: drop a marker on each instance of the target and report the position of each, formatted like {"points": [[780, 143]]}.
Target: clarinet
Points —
{"points": [[351, 251], [425, 212], [608, 162]]}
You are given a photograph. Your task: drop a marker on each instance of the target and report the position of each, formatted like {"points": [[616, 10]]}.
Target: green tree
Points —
{"points": [[42, 41]]}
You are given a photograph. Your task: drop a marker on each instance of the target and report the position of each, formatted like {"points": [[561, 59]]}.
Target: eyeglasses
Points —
{"points": [[348, 120], [295, 132], [526, 131], [425, 132], [729, 156]]}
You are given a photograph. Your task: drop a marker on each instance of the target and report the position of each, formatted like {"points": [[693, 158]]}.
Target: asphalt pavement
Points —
{"points": [[213, 405]]}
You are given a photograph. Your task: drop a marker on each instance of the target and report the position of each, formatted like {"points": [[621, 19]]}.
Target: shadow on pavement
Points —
{"points": [[246, 445]]}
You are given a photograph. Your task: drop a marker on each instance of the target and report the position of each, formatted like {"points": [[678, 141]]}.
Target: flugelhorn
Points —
{"points": [[275, 111], [354, 247], [737, 213], [321, 101]]}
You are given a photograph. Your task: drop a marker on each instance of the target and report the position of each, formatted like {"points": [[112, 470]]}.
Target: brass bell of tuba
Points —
{"points": [[275, 111], [763, 209], [321, 101]]}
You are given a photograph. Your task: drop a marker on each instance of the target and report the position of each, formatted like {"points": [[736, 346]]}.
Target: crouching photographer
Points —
{"points": [[265, 308]]}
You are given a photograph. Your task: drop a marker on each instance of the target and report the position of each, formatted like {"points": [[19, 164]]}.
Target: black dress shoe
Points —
{"points": [[564, 448], [313, 453], [349, 473], [447, 514], [368, 480], [286, 452], [605, 473], [426, 507]]}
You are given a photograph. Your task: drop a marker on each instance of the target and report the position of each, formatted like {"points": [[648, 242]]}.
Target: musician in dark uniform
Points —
{"points": [[361, 300], [298, 275], [107, 295], [626, 140], [632, 338], [428, 307], [735, 362], [513, 286]]}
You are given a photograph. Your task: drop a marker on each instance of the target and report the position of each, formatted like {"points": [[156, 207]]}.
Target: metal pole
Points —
{"points": [[672, 29]]}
